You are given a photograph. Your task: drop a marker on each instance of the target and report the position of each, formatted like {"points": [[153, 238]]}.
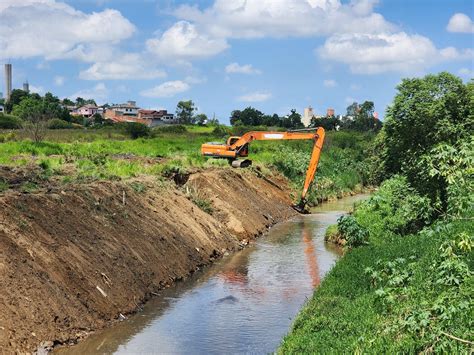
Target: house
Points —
{"points": [[86, 111], [157, 117], [128, 109]]}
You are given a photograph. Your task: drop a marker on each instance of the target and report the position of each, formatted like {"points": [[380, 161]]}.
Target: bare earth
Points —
{"points": [[73, 258]]}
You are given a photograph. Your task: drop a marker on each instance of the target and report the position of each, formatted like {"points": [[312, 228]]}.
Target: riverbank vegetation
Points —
{"points": [[406, 281], [111, 153]]}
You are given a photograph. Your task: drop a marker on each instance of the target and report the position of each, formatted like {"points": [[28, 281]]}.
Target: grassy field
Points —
{"points": [[77, 155], [406, 289]]}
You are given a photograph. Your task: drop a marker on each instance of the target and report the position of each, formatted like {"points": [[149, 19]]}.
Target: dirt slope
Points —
{"points": [[75, 257]]}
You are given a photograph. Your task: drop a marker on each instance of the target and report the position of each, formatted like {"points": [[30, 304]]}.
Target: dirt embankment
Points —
{"points": [[73, 258]]}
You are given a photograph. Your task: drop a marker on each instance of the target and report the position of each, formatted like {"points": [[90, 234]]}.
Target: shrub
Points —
{"points": [[395, 209], [354, 234], [220, 131], [137, 130], [9, 122], [56, 123]]}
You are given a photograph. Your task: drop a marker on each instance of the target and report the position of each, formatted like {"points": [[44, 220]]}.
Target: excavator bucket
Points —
{"points": [[238, 163], [301, 207]]}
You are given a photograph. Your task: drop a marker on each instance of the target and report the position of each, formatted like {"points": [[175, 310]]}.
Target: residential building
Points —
{"points": [[308, 115], [86, 111], [129, 108]]}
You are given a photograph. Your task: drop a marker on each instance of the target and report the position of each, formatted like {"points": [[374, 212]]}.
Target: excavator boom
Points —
{"points": [[237, 147]]}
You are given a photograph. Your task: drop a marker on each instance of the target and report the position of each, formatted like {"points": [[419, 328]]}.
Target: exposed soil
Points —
{"points": [[74, 258]]}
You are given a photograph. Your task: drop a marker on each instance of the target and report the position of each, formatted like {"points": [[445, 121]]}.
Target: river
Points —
{"points": [[244, 303]]}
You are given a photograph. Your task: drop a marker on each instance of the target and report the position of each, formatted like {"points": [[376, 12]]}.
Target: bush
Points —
{"points": [[354, 234], [10, 122], [396, 209], [170, 129], [220, 131], [56, 123], [137, 130]]}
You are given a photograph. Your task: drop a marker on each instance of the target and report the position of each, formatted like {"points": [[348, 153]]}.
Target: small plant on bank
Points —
{"points": [[138, 187], [198, 199]]}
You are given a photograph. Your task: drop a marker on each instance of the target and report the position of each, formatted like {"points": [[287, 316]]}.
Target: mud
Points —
{"points": [[75, 258]]}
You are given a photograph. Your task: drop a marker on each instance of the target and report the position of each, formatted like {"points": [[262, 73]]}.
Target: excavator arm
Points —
{"points": [[237, 147]]}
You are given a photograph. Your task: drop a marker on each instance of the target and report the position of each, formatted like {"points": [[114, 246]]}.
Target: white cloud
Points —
{"points": [[282, 18], [51, 29], [183, 42], [467, 72], [241, 69], [124, 66], [36, 89], [355, 87], [451, 53], [376, 53], [330, 83], [99, 93], [257, 96], [59, 80], [460, 23], [167, 89]]}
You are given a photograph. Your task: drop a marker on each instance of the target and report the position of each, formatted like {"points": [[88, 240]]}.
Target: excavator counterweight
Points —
{"points": [[238, 147]]}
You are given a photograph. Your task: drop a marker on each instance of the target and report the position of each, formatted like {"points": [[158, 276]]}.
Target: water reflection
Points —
{"points": [[244, 303]]}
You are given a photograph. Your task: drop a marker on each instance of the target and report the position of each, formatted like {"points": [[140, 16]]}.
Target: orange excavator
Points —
{"points": [[238, 147]]}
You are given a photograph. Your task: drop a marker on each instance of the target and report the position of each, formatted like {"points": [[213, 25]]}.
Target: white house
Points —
{"points": [[128, 109]]}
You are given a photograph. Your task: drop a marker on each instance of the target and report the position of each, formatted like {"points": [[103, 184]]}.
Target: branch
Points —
{"points": [[458, 339]]}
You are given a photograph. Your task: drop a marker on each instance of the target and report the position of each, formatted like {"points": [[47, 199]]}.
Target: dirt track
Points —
{"points": [[75, 257]]}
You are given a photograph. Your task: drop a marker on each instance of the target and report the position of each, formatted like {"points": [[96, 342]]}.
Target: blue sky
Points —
{"points": [[274, 55]]}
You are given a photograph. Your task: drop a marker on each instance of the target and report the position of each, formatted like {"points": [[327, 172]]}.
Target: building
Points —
{"points": [[86, 111], [26, 87], [330, 112], [308, 115], [8, 81], [157, 117], [128, 109]]}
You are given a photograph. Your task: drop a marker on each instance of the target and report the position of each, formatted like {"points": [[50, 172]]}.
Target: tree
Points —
{"points": [[329, 123], [293, 120], [426, 113], [235, 117], [185, 112], [251, 117], [35, 113], [68, 102], [361, 117], [16, 97], [200, 119]]}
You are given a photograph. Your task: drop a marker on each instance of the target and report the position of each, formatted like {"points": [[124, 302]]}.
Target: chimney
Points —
{"points": [[8, 81]]}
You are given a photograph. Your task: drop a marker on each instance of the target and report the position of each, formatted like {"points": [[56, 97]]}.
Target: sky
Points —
{"points": [[274, 55]]}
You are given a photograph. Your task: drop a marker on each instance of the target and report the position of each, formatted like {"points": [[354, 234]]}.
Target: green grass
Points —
{"points": [[96, 154], [408, 291]]}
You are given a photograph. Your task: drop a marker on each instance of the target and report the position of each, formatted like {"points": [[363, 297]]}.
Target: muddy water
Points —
{"points": [[244, 303]]}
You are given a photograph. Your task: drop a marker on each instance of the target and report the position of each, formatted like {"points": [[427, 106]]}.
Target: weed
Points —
{"points": [[138, 187], [193, 194]]}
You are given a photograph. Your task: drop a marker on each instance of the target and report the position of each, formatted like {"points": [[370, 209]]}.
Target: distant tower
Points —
{"points": [[8, 81], [308, 115], [26, 87]]}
